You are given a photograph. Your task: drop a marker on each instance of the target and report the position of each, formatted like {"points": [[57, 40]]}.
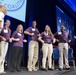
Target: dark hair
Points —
{"points": [[63, 27], [33, 21], [7, 20], [8, 28]]}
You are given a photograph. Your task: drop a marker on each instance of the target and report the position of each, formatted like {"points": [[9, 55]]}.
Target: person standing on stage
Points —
{"points": [[3, 12], [17, 39], [63, 38], [33, 32], [5, 37], [47, 39]]}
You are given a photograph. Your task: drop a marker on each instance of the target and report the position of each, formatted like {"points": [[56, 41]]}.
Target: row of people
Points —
{"points": [[46, 38]]}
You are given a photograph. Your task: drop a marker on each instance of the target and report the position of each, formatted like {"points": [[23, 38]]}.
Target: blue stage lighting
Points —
{"points": [[72, 4]]}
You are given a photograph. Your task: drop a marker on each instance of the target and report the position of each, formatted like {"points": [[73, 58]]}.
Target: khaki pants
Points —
{"points": [[63, 50], [33, 54], [3, 51], [47, 52]]}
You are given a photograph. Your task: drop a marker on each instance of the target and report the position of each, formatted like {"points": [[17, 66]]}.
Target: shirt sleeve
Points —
{"points": [[42, 34], [55, 35], [28, 30], [38, 31], [14, 34], [10, 33]]}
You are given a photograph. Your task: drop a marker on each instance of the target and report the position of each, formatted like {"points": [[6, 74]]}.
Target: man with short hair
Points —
{"points": [[63, 39], [33, 32]]}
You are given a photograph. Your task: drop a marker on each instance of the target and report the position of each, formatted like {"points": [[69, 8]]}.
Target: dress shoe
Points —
{"points": [[51, 69], [44, 69], [60, 69]]}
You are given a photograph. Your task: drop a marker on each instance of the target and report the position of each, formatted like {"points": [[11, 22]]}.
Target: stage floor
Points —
{"points": [[39, 72]]}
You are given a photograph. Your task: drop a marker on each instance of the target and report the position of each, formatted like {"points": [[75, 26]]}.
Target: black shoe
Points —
{"points": [[67, 68], [19, 70], [60, 69], [44, 69], [50, 69]]}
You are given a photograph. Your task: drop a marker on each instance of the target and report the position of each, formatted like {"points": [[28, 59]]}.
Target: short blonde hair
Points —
{"points": [[3, 9], [17, 29]]}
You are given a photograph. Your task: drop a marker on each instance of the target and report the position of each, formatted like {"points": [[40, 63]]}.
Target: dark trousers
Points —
{"points": [[16, 57]]}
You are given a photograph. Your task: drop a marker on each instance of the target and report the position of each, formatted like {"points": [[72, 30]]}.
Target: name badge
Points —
{"points": [[5, 31], [33, 29], [19, 34], [59, 33]]}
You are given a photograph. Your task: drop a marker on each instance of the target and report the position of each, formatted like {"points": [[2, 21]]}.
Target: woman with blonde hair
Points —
{"points": [[18, 39], [46, 39]]}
